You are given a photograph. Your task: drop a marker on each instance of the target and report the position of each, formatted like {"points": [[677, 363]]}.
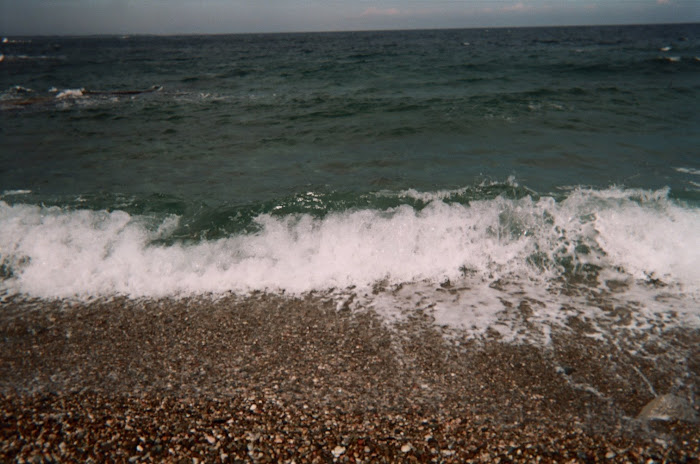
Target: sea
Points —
{"points": [[492, 178]]}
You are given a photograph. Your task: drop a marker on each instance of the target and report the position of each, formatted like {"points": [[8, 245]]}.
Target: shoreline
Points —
{"points": [[168, 379]]}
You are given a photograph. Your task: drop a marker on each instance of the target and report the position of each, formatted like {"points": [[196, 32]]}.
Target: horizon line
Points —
{"points": [[193, 34]]}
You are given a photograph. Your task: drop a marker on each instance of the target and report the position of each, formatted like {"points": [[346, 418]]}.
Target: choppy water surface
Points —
{"points": [[459, 172]]}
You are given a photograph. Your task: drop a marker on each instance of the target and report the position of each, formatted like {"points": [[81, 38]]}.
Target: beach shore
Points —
{"points": [[265, 378]]}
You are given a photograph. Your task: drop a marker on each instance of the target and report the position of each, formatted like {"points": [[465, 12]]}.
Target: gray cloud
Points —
{"points": [[29, 17]]}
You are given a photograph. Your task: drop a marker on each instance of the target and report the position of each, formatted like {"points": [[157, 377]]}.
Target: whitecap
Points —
{"points": [[70, 93], [8, 193], [695, 172]]}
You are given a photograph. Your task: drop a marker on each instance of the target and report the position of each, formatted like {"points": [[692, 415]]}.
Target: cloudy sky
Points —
{"points": [[29, 17]]}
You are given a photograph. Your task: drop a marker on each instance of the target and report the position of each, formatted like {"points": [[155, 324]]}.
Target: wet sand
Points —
{"points": [[270, 379]]}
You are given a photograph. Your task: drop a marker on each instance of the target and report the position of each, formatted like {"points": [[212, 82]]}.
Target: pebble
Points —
{"points": [[667, 408], [505, 402]]}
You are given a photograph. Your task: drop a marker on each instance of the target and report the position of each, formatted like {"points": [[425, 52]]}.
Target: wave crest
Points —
{"points": [[54, 252]]}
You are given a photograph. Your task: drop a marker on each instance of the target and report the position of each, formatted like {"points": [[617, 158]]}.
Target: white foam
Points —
{"points": [[70, 93], [5, 40], [695, 172], [662, 242], [447, 194], [8, 193], [630, 234]]}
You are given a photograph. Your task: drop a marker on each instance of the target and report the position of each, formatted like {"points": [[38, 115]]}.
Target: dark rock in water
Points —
{"points": [[667, 408]]}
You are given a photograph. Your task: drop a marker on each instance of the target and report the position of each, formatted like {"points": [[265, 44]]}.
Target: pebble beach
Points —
{"points": [[274, 379], [446, 245]]}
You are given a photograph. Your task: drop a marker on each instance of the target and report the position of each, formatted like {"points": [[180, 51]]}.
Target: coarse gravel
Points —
{"points": [[266, 378]]}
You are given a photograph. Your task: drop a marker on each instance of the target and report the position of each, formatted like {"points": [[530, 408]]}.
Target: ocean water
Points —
{"points": [[465, 173]]}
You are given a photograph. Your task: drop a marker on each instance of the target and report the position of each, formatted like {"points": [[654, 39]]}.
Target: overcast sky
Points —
{"points": [[33, 17]]}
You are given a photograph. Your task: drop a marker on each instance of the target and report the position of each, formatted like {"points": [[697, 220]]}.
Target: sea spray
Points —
{"points": [[494, 252]]}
